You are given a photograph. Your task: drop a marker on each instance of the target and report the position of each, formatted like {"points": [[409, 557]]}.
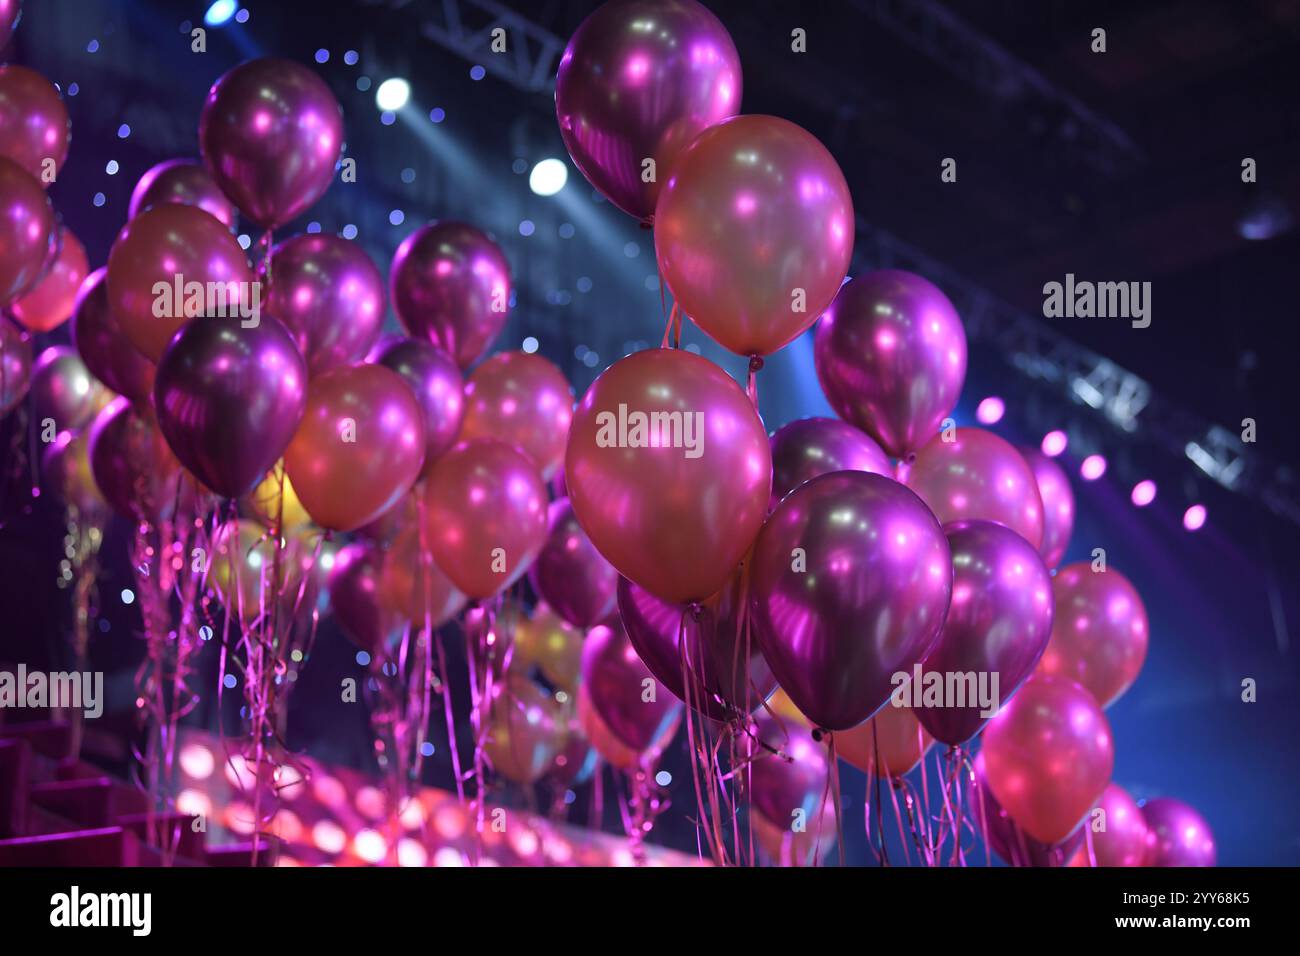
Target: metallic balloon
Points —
{"points": [[724, 682], [182, 181], [624, 694], [134, 469], [626, 92], [450, 285], [1058, 505], [893, 740], [229, 399], [50, 302], [435, 378], [244, 574], [525, 730], [1008, 840], [169, 249], [891, 357], [576, 762], [359, 447], [274, 501], [669, 472], [1048, 755], [329, 295], [11, 11], [1123, 841], [1099, 636], [271, 134], [851, 581], [34, 124], [486, 514], [797, 848], [997, 626], [570, 574], [354, 597], [754, 231], [27, 228], [64, 390], [612, 750], [808, 447], [977, 475], [102, 345], [552, 644], [65, 469], [788, 787], [1177, 835], [525, 401], [15, 365], [412, 587]]}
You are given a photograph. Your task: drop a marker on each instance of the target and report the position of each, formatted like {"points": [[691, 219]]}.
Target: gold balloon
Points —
{"points": [[526, 730], [551, 643], [410, 586], [243, 568], [893, 734], [264, 501]]}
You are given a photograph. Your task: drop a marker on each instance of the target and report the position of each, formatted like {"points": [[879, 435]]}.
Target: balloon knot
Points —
{"points": [[648, 222], [820, 733], [755, 363]]}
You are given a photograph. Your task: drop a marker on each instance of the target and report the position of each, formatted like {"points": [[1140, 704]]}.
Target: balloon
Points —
{"points": [[722, 685], [525, 730], [182, 181], [625, 93], [27, 227], [1008, 840], [554, 645], [1048, 754], [486, 513], [577, 759], [134, 469], [525, 401], [264, 501], [1099, 636], [329, 295], [49, 304], [891, 357], [808, 447], [893, 735], [271, 134], [170, 264], [436, 380], [612, 750], [977, 475], [1177, 835], [450, 285], [1124, 840], [409, 586], [570, 574], [99, 340], [614, 683], [359, 447], [793, 781], [754, 231], [789, 847], [64, 390], [66, 470], [34, 124], [862, 599], [669, 472], [1058, 505], [354, 597], [15, 365], [11, 11], [229, 399], [243, 570], [393, 521], [997, 626]]}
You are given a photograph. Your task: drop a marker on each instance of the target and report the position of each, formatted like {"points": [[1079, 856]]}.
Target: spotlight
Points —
{"points": [[1144, 492], [991, 410], [1093, 467], [548, 177], [1194, 518], [1054, 443], [392, 94], [220, 12]]}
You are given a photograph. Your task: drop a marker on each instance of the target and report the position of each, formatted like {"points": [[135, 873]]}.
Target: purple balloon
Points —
{"points": [[626, 92], [183, 181], [809, 447], [793, 779], [133, 468], [451, 285], [613, 679], [229, 399], [1005, 838], [998, 623], [103, 346], [570, 574], [891, 357], [1177, 834], [15, 364], [1058, 505], [438, 385], [271, 133], [354, 597], [723, 687], [851, 581], [63, 389], [330, 297]]}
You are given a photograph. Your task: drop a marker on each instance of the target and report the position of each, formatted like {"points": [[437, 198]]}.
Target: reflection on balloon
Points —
{"points": [[808, 447], [27, 227], [892, 741], [1058, 504], [34, 124], [50, 303], [183, 181], [436, 380], [63, 389], [523, 400], [1177, 835], [614, 683]]}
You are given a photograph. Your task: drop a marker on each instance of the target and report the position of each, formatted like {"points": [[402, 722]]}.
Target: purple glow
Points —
{"points": [[1144, 492], [1093, 467], [991, 410], [1194, 518], [1054, 442]]}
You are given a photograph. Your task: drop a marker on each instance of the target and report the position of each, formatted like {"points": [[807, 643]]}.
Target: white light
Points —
{"points": [[548, 177], [392, 94], [220, 12], [530, 344]]}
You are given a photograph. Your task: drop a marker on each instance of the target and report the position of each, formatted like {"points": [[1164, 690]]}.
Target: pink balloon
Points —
{"points": [[1058, 505], [271, 133], [27, 229], [183, 181], [15, 364], [891, 357], [569, 573], [354, 588], [439, 387], [524, 400], [1177, 835], [133, 467], [788, 787], [804, 449], [103, 346], [1124, 840], [34, 124], [977, 475], [1005, 838], [49, 303], [1048, 756], [614, 685], [625, 93], [451, 285], [852, 577]]}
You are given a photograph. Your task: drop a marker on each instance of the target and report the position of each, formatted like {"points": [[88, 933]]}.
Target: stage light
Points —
{"points": [[548, 177], [530, 344], [991, 410], [220, 12], [1194, 518], [1093, 467], [392, 94], [1054, 443], [1144, 492]]}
